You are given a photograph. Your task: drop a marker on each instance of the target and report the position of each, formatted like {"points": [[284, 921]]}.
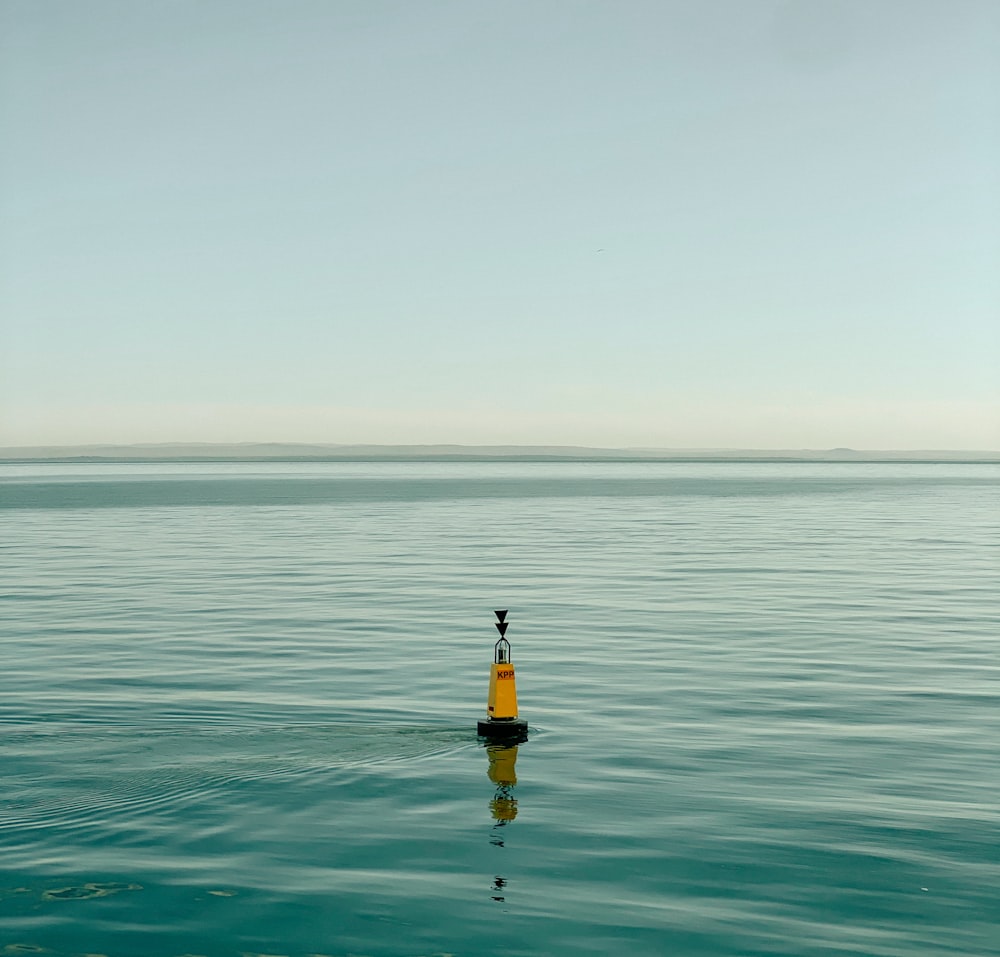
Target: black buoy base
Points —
{"points": [[501, 727]]}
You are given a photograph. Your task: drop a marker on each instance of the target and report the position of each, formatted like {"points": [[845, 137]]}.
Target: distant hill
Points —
{"points": [[292, 452]]}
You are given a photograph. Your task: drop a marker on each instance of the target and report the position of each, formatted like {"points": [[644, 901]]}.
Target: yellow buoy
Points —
{"points": [[501, 706]]}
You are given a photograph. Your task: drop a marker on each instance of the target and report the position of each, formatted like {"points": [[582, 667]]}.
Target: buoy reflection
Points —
{"points": [[504, 775], [502, 771]]}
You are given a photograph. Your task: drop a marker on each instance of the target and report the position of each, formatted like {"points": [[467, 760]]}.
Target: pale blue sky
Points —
{"points": [[736, 223]]}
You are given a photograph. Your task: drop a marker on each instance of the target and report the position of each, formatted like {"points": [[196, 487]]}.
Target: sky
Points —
{"points": [[626, 223]]}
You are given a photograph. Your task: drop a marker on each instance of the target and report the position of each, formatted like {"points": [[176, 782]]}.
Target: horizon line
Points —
{"points": [[298, 450]]}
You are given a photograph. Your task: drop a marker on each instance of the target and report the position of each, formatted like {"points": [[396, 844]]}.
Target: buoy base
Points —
{"points": [[501, 727]]}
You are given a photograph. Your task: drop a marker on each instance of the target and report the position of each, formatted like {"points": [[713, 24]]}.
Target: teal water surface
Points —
{"points": [[238, 706]]}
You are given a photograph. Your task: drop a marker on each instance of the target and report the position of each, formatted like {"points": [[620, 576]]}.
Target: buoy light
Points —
{"points": [[501, 706]]}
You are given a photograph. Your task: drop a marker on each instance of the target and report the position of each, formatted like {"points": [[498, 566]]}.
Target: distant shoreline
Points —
{"points": [[301, 452]]}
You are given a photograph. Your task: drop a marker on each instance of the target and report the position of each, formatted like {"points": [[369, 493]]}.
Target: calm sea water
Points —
{"points": [[238, 706]]}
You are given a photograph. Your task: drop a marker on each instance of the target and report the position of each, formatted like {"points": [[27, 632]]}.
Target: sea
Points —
{"points": [[238, 709]]}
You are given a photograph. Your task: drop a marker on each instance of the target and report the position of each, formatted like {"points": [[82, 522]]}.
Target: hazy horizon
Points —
{"points": [[721, 225], [331, 452]]}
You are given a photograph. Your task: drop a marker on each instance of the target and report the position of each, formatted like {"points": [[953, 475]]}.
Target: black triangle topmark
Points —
{"points": [[501, 614], [502, 627]]}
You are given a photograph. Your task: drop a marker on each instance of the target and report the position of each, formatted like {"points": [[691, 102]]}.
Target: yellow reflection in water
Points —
{"points": [[503, 774], [502, 771]]}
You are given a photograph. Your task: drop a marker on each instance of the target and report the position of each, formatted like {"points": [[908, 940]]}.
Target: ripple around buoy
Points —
{"points": [[225, 758], [89, 890]]}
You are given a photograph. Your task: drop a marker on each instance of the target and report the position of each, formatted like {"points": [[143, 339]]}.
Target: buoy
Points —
{"points": [[501, 706]]}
